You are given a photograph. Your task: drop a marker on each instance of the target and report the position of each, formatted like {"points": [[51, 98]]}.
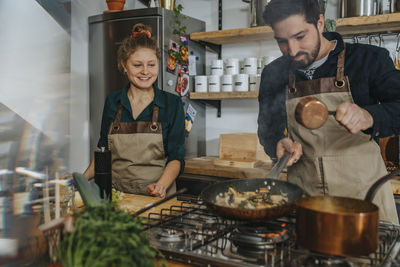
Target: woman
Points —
{"points": [[142, 126]]}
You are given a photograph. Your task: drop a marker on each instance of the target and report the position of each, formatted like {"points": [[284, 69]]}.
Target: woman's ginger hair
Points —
{"points": [[139, 38]]}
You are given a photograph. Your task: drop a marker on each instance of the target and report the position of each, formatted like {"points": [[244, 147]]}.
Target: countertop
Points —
{"points": [[133, 203], [205, 166]]}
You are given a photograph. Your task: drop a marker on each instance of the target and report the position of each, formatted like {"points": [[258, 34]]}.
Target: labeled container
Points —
{"points": [[217, 67], [214, 83], [241, 83], [232, 66], [200, 83], [254, 82], [250, 65], [227, 83]]}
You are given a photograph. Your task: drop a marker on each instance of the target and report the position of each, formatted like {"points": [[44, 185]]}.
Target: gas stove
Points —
{"points": [[191, 234]]}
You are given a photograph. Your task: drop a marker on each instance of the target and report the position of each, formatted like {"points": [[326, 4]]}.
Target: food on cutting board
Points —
{"points": [[259, 199]]}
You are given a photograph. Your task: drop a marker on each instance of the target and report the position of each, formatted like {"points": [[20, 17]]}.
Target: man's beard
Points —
{"points": [[308, 58]]}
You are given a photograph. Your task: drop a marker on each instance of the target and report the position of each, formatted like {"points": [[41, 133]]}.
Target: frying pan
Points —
{"points": [[292, 191]]}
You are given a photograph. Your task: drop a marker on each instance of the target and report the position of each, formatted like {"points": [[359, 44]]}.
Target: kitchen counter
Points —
{"points": [[205, 166], [133, 203]]}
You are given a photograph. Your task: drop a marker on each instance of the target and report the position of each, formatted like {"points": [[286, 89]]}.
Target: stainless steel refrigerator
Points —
{"points": [[106, 31]]}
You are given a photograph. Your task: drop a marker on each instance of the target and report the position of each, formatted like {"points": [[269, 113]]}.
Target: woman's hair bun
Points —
{"points": [[140, 27]]}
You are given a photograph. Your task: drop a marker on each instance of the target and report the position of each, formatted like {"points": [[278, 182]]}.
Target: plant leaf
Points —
{"points": [[89, 190]]}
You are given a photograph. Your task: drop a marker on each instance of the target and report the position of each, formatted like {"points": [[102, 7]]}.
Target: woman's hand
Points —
{"points": [[156, 190], [286, 144]]}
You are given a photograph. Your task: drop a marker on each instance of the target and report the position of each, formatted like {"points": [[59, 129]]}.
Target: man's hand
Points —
{"points": [[156, 190], [353, 117], [286, 144]]}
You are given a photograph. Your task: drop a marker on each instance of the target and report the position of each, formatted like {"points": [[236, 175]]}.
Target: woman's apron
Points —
{"points": [[137, 154], [334, 161]]}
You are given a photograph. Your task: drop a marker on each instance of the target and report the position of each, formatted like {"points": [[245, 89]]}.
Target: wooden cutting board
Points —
{"points": [[133, 203], [205, 166], [241, 150]]}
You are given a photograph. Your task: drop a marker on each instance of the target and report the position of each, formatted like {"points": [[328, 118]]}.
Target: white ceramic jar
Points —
{"points": [[241, 82], [214, 83], [232, 66], [200, 83], [227, 83], [250, 65], [217, 67], [254, 82]]}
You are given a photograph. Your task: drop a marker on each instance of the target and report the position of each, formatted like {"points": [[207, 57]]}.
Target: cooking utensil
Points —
{"points": [[292, 191], [312, 113], [155, 204], [338, 225], [356, 8], [256, 11]]}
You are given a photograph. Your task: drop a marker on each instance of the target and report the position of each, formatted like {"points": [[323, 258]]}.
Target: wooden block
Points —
{"points": [[243, 147]]}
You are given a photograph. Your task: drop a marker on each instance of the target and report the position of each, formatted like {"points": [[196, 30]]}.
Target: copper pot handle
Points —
{"points": [[374, 188]]}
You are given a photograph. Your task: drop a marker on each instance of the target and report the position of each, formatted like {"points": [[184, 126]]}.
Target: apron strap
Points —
{"points": [[155, 113], [340, 81], [115, 124], [119, 114], [154, 125], [292, 81]]}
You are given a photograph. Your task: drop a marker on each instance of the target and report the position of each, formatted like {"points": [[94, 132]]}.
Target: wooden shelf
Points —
{"points": [[223, 95], [345, 26]]}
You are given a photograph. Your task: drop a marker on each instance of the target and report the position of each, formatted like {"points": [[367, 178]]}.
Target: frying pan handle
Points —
{"points": [[279, 166], [374, 188]]}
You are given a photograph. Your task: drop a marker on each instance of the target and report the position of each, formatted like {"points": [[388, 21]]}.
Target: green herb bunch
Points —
{"points": [[179, 30], [106, 236]]}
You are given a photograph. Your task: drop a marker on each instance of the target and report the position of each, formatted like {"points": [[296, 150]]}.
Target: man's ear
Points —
{"points": [[321, 23]]}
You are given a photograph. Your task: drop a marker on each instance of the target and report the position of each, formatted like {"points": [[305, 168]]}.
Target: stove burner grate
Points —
{"points": [[171, 235], [259, 236]]}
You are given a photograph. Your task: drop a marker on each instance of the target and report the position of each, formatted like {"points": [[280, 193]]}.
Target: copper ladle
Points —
{"points": [[312, 113]]}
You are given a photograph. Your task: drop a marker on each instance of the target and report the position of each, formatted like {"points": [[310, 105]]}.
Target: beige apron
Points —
{"points": [[334, 161], [137, 154]]}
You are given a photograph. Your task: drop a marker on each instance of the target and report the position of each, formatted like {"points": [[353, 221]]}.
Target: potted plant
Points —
{"points": [[115, 5]]}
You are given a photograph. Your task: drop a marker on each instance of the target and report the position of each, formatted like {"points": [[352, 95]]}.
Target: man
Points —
{"points": [[358, 81]]}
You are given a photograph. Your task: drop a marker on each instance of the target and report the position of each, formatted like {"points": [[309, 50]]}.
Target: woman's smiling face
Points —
{"points": [[142, 68]]}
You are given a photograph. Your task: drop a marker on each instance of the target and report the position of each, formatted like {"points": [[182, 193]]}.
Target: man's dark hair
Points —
{"points": [[278, 10]]}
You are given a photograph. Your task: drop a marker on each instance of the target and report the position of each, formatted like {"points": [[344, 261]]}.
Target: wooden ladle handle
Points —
{"points": [[312, 113]]}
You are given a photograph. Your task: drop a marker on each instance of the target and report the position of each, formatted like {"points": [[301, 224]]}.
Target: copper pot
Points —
{"points": [[340, 226], [312, 113]]}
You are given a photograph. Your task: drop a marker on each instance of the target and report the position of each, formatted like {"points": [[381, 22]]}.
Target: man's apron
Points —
{"points": [[334, 161], [137, 154]]}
